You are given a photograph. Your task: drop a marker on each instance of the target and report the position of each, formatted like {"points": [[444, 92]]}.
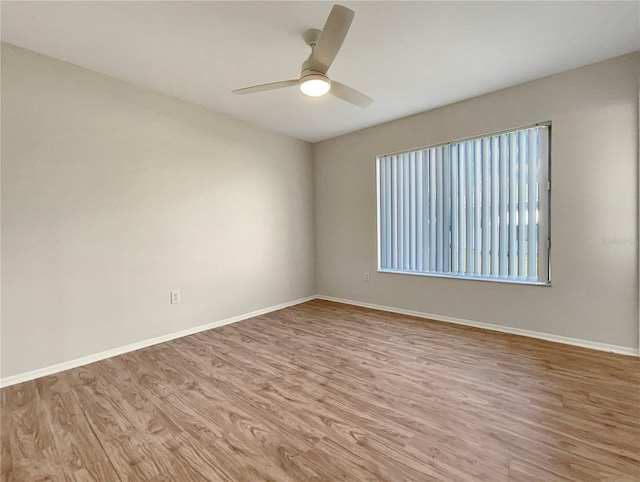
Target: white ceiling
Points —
{"points": [[408, 56]]}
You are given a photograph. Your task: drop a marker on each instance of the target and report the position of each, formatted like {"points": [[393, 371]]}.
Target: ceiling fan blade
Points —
{"points": [[333, 34], [263, 87], [350, 95]]}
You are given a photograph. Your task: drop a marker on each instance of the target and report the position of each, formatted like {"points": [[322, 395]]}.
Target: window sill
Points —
{"points": [[515, 281]]}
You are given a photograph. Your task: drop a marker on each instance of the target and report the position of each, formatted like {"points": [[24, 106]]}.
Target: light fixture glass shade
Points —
{"points": [[315, 85]]}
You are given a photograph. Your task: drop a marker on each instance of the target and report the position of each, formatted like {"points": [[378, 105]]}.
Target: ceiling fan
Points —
{"points": [[324, 45]]}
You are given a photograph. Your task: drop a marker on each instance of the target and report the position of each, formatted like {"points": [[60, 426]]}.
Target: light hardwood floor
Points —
{"points": [[323, 391]]}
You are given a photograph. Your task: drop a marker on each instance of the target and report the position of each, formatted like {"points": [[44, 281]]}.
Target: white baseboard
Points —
{"points": [[85, 360], [622, 350], [50, 370]]}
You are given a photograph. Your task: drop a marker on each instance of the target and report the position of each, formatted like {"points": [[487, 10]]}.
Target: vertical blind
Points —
{"points": [[476, 208]]}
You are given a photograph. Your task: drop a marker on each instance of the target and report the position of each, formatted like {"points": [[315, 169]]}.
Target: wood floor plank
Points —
{"points": [[230, 432], [29, 450], [81, 455], [323, 391], [132, 435]]}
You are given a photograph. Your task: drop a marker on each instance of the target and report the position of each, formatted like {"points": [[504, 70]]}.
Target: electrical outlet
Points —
{"points": [[366, 276], [175, 297]]}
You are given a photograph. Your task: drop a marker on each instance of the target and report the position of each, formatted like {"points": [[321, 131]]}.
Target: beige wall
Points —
{"points": [[113, 195], [594, 197]]}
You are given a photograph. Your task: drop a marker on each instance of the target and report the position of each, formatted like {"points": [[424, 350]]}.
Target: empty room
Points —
{"points": [[289, 241]]}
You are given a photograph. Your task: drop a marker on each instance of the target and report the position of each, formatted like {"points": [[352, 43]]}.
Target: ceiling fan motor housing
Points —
{"points": [[308, 74]]}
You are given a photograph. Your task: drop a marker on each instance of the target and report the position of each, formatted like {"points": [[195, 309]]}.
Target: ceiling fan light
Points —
{"points": [[315, 85]]}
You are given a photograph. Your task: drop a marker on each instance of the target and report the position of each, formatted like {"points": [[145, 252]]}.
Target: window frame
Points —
{"points": [[544, 212]]}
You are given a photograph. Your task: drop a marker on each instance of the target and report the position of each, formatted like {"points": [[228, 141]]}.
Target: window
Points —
{"points": [[477, 208]]}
